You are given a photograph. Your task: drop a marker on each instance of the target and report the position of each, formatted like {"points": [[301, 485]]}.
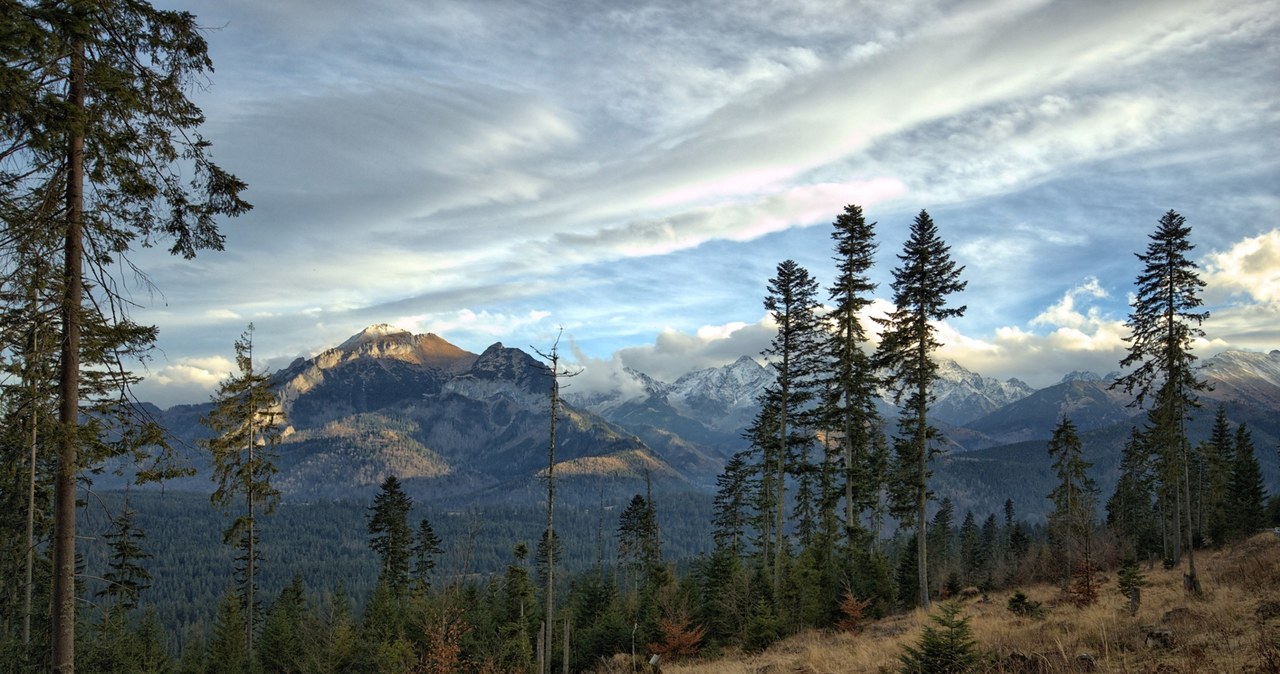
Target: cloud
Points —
{"points": [[186, 380], [674, 353], [1250, 268]]}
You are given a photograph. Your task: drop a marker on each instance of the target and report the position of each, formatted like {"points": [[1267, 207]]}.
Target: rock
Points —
{"points": [[1159, 638], [1018, 662], [1267, 610]]}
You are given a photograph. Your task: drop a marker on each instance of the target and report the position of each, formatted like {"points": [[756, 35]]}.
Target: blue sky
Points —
{"points": [[632, 172]]}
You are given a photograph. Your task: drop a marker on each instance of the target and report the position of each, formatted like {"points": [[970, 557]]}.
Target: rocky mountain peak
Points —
{"points": [[1081, 375]]}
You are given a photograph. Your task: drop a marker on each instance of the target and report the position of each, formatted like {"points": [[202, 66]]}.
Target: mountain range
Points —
{"points": [[460, 427]]}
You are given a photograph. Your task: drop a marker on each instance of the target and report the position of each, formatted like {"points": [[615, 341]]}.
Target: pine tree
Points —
{"points": [[284, 642], [730, 518], [390, 536], [921, 284], [969, 543], [229, 651], [1217, 460], [852, 389], [425, 549], [946, 649], [1246, 504], [1163, 324], [126, 577], [1131, 510], [246, 426], [1074, 497], [940, 540], [795, 353], [96, 111]]}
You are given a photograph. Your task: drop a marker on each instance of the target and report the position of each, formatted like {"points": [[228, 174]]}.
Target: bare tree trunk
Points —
{"points": [[922, 503], [64, 517], [1192, 582], [29, 585], [551, 496]]}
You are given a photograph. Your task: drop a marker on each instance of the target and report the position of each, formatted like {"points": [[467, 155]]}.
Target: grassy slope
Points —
{"points": [[1223, 632]]}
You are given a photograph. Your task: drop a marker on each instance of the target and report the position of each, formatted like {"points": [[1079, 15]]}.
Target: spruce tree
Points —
{"points": [[852, 389], [96, 112], [948, 648], [245, 420], [1217, 461], [1163, 324], [795, 353], [285, 640], [730, 517], [1248, 496], [425, 549], [1131, 510], [921, 285], [390, 536], [125, 578], [1074, 497]]}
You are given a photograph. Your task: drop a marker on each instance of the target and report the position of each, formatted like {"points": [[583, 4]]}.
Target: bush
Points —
{"points": [[1020, 604]]}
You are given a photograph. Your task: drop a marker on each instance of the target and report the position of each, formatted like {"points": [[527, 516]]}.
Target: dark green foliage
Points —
{"points": [[1022, 605], [1163, 324], [1247, 499], [921, 284], [1130, 581], [126, 577], [796, 356], [763, 628], [948, 648], [426, 547], [1131, 510], [733, 493], [1074, 498], [246, 426], [229, 648], [286, 635], [1216, 462], [389, 534], [851, 390], [907, 577]]}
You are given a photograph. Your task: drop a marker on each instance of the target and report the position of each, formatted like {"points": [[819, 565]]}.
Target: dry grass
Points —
{"points": [[1233, 628]]}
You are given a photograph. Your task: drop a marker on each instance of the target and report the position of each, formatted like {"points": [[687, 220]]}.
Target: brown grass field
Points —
{"points": [[1233, 627]]}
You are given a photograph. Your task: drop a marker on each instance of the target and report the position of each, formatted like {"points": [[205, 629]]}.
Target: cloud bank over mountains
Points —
{"points": [[632, 172]]}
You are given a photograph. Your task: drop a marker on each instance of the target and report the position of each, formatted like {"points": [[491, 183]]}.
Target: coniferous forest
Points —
{"points": [[828, 520]]}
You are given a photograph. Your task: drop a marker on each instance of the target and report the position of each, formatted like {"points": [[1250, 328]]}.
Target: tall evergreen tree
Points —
{"points": [[1163, 323], [246, 424], [730, 518], [425, 549], [852, 389], [96, 109], [795, 354], [390, 536], [125, 578], [1217, 460], [229, 651], [1131, 510], [1074, 497], [921, 285], [1248, 496], [285, 640]]}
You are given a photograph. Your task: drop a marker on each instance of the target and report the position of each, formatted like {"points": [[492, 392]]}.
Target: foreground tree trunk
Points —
{"points": [[64, 538]]}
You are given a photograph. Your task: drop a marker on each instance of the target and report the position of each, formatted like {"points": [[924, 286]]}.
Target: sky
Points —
{"points": [[629, 174]]}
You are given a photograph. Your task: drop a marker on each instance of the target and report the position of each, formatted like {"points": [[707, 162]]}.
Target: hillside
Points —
{"points": [[1235, 627]]}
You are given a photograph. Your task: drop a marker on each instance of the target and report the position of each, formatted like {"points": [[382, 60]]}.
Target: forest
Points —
{"points": [[827, 521]]}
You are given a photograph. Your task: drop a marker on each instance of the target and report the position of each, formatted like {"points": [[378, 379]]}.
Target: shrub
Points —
{"points": [[948, 648], [1020, 604]]}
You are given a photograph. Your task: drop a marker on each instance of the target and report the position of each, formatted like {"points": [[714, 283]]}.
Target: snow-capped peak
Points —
{"points": [[372, 333]]}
